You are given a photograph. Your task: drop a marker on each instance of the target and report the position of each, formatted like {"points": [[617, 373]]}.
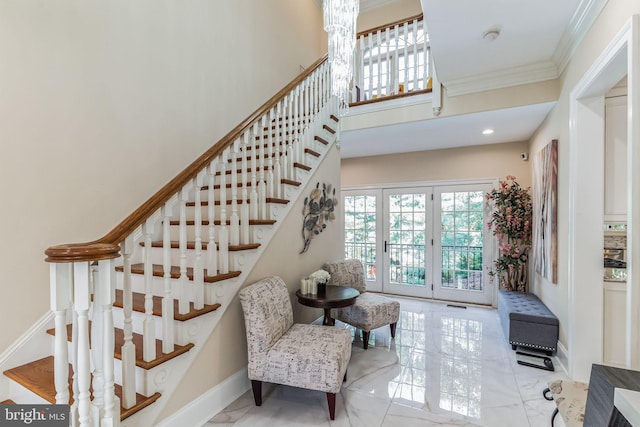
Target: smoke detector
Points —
{"points": [[491, 35]]}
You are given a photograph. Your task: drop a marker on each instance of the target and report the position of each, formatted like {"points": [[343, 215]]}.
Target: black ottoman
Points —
{"points": [[527, 322]]}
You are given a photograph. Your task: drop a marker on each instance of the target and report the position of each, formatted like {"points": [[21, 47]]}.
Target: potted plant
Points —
{"points": [[511, 221]]}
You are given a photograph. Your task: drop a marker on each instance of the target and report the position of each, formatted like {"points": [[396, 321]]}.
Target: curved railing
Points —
{"points": [[228, 187]]}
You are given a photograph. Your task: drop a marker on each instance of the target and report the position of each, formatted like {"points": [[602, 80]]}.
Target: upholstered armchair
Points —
{"points": [[282, 352], [370, 311]]}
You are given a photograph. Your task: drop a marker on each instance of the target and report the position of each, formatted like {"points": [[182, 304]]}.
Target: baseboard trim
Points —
{"points": [[561, 358], [210, 403], [25, 338]]}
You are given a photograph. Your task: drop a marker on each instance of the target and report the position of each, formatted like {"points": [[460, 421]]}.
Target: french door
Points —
{"points": [[428, 241]]}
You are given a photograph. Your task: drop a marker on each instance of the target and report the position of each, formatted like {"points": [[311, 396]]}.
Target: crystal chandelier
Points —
{"points": [[340, 24]]}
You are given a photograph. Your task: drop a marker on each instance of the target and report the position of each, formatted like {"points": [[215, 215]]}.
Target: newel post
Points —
{"points": [[72, 288]]}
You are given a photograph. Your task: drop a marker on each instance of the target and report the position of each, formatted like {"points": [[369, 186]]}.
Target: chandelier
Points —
{"points": [[340, 24]]}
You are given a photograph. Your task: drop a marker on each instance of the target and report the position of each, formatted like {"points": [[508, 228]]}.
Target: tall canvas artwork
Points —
{"points": [[545, 212]]}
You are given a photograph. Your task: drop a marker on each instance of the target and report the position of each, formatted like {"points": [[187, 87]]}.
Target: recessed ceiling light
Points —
{"points": [[487, 131], [491, 35]]}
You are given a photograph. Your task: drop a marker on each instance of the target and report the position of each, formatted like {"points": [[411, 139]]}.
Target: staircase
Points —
{"points": [[130, 311]]}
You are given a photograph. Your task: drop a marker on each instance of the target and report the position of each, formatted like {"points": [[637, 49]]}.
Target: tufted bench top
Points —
{"points": [[526, 307]]}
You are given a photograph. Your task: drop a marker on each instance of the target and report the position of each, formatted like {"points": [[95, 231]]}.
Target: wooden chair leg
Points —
{"points": [[393, 329], [331, 400], [257, 391], [365, 339]]}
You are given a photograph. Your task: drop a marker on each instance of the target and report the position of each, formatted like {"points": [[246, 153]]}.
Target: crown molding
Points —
{"points": [[508, 77], [581, 21]]}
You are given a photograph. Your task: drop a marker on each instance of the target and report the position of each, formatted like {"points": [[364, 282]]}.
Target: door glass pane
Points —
{"points": [[406, 245], [360, 231], [461, 221]]}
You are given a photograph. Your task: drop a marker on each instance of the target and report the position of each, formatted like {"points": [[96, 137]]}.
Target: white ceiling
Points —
{"points": [[535, 42]]}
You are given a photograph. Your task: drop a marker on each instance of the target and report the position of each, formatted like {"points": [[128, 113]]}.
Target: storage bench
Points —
{"points": [[527, 322]]}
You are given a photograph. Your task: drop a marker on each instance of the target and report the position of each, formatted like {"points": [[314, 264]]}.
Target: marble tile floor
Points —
{"points": [[447, 366]]}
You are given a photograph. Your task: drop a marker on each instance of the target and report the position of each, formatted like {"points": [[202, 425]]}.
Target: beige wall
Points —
{"points": [[615, 14], [103, 102], [225, 352], [483, 161], [390, 13]]}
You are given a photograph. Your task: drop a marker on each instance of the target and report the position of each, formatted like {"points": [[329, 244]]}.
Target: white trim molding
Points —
{"points": [[210, 403]]}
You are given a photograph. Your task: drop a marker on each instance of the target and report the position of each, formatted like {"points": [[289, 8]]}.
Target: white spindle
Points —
{"points": [[406, 56], [73, 357], [284, 160], [97, 345], [234, 222], [425, 50], [262, 187], [198, 262], [277, 173], [223, 234], [253, 196], [183, 295], [387, 42], [270, 183], [168, 343], [148, 325], [415, 55], [396, 62], [212, 247], [105, 296], [379, 61], [247, 139], [297, 125], [61, 285], [360, 71], [370, 40], [128, 348], [82, 300]]}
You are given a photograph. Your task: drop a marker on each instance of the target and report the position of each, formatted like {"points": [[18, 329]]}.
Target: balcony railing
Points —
{"points": [[394, 60]]}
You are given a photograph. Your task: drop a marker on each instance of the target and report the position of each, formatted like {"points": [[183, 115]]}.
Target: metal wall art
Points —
{"points": [[318, 210]]}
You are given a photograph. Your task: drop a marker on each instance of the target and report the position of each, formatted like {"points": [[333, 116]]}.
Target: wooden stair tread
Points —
{"points": [[158, 271], [321, 140], [191, 222], [37, 376], [137, 340], [7, 402], [328, 129], [240, 184], [241, 201], [334, 118], [266, 168], [175, 244], [301, 166], [138, 305], [310, 151]]}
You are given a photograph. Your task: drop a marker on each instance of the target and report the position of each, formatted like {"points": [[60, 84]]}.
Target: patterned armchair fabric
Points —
{"points": [[279, 351], [370, 311]]}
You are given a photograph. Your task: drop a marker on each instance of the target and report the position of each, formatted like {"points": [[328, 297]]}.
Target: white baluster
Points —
{"points": [[388, 82], [360, 69], [262, 188], [198, 264], [270, 183], [82, 300], [379, 61], [284, 161], [148, 325], [223, 233], [297, 126], [425, 50], [370, 40], [105, 297], [277, 174], [97, 346], [61, 284], [74, 363], [129, 348], [244, 211], [212, 247], [168, 333], [234, 222], [183, 295], [396, 62], [253, 196], [415, 55], [406, 56]]}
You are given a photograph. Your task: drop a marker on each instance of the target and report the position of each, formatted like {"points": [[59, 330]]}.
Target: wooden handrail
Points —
{"points": [[419, 17], [104, 247]]}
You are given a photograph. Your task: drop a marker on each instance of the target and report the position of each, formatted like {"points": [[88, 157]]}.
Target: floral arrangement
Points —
{"points": [[320, 277], [511, 221], [318, 208]]}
